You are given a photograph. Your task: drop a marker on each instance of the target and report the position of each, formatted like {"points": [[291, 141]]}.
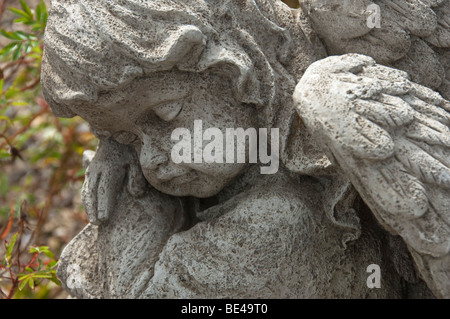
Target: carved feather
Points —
{"points": [[394, 144]]}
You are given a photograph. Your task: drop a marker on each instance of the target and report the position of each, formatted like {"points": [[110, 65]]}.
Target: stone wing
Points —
{"points": [[391, 137], [411, 35]]}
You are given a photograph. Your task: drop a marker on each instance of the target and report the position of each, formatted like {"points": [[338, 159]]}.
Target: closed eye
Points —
{"points": [[169, 111]]}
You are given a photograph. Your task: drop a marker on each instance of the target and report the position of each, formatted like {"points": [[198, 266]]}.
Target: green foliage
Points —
{"points": [[30, 270], [44, 151], [43, 271], [9, 248], [24, 43]]}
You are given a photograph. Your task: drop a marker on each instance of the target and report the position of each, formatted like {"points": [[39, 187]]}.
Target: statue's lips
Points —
{"points": [[179, 179]]}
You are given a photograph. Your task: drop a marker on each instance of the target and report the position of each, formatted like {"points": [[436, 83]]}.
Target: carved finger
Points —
{"points": [[137, 184], [109, 188], [89, 195], [88, 156]]}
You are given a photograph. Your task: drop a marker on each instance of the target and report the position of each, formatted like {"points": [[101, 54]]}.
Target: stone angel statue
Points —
{"points": [[363, 118]]}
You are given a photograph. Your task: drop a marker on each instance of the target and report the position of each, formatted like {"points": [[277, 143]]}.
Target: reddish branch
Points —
{"points": [[22, 130], [32, 85], [2, 8], [12, 63]]}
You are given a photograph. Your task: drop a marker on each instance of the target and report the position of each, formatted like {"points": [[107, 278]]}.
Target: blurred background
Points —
{"points": [[41, 171], [40, 162]]}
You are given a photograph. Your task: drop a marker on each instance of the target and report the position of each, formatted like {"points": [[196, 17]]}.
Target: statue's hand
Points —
{"points": [[391, 137], [111, 169]]}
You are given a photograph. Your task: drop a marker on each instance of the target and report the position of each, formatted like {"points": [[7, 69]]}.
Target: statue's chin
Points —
{"points": [[193, 183], [194, 188], [191, 192]]}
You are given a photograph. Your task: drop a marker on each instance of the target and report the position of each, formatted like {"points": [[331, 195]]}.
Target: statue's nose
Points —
{"points": [[151, 156]]}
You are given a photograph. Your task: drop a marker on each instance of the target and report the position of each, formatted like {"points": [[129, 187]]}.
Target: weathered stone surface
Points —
{"points": [[391, 138], [355, 133]]}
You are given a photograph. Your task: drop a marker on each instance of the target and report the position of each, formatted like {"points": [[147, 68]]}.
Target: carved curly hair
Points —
{"points": [[263, 46], [93, 46]]}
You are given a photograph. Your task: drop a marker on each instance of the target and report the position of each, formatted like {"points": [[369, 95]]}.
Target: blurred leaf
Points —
{"points": [[49, 254], [24, 276], [21, 20], [4, 154], [37, 49], [4, 212], [31, 283], [17, 52], [10, 35], [5, 118], [34, 250], [11, 92], [10, 246], [22, 284], [4, 185], [26, 8], [44, 14], [40, 264], [36, 27], [42, 274], [22, 35], [37, 12], [27, 48], [80, 173], [8, 48], [42, 250], [55, 280], [19, 103], [20, 13]]}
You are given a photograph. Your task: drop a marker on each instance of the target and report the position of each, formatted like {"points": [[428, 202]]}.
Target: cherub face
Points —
{"points": [[146, 112]]}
